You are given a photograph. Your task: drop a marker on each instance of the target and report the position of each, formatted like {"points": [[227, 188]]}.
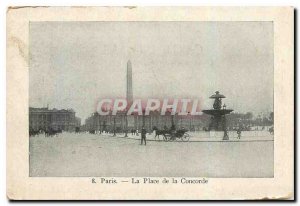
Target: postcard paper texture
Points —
{"points": [[156, 103]]}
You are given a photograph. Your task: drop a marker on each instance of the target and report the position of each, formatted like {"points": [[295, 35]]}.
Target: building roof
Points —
{"points": [[45, 109]]}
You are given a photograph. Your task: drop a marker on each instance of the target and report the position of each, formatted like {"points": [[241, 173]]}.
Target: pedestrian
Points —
{"points": [[143, 135], [239, 132]]}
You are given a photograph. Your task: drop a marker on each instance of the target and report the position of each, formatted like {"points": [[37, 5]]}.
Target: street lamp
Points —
{"points": [[114, 126], [126, 125]]}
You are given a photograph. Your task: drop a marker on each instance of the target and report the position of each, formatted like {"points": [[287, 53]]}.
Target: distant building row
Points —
{"points": [[98, 122], [46, 119]]}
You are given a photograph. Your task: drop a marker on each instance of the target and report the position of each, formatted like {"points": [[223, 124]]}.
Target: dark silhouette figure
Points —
{"points": [[239, 132], [143, 134]]}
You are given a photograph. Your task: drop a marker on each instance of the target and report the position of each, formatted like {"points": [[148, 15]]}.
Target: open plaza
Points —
{"points": [[105, 155]]}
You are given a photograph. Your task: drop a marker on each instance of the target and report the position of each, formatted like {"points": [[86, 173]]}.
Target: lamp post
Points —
{"points": [[114, 126], [143, 118], [126, 125]]}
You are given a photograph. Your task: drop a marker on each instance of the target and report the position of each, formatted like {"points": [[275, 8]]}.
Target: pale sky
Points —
{"points": [[73, 64]]}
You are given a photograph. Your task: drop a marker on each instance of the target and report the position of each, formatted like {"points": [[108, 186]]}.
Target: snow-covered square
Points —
{"points": [[94, 155]]}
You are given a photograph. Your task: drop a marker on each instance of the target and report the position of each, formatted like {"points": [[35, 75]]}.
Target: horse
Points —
{"points": [[159, 132], [51, 132], [33, 132], [205, 129], [133, 132]]}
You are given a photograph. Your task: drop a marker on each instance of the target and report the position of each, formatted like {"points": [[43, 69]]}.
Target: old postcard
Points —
{"points": [[150, 103]]}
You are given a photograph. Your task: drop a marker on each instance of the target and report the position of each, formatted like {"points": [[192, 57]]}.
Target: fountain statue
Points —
{"points": [[218, 114]]}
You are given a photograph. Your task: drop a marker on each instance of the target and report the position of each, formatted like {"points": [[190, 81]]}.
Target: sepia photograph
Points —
{"points": [[161, 99]]}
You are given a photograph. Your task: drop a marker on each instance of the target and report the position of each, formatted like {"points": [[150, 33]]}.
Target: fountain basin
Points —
{"points": [[217, 112]]}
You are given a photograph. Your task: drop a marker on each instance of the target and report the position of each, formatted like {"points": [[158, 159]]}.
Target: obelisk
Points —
{"points": [[129, 94], [129, 97]]}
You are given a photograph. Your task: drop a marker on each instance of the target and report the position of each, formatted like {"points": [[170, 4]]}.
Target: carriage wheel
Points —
{"points": [[166, 138], [185, 137], [169, 138], [173, 138]]}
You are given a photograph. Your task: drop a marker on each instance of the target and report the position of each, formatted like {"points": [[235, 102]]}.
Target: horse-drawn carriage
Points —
{"points": [[172, 135]]}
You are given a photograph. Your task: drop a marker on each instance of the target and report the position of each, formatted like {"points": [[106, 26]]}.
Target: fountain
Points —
{"points": [[218, 113]]}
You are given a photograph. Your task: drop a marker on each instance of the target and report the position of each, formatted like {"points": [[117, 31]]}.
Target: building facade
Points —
{"points": [[46, 119], [109, 123]]}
